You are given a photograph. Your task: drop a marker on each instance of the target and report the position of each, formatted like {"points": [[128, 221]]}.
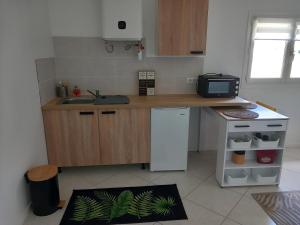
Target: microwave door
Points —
{"points": [[219, 88]]}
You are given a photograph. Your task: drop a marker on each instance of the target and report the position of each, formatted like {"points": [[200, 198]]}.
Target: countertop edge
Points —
{"points": [[184, 100]]}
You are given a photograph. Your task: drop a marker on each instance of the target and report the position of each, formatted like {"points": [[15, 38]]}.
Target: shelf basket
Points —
{"points": [[236, 177], [240, 142], [270, 144]]}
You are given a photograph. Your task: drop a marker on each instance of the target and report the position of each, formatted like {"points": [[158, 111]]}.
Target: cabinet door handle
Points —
{"points": [[196, 52], [241, 126], [274, 125], [108, 112], [86, 113]]}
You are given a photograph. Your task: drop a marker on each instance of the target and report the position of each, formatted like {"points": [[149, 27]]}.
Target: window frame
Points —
{"points": [[288, 55]]}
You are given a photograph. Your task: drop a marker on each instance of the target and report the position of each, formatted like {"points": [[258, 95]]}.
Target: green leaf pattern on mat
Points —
{"points": [[87, 209], [108, 207], [121, 205], [163, 206], [107, 200], [141, 205]]}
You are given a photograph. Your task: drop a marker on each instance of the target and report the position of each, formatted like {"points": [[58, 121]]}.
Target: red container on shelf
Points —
{"points": [[266, 156]]}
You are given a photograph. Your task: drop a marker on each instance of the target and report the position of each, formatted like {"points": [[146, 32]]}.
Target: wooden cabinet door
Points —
{"points": [[72, 137], [174, 27], [124, 136], [182, 27], [198, 23]]}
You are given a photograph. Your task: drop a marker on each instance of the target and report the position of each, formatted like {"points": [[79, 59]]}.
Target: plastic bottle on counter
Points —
{"points": [[76, 91]]}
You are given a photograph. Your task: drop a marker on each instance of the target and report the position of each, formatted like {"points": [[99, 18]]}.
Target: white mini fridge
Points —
{"points": [[169, 138]]}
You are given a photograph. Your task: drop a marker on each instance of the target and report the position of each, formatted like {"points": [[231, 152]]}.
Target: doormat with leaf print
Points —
{"points": [[124, 206]]}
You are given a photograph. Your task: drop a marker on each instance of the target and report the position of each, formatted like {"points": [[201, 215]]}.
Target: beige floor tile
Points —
{"points": [[201, 164], [184, 182], [125, 169], [230, 222], [292, 152], [122, 180], [262, 189], [202, 174], [291, 163], [240, 190], [68, 182], [248, 212], [197, 215], [202, 155], [36, 222], [290, 180], [148, 175], [53, 219], [201, 169], [211, 196], [93, 174]]}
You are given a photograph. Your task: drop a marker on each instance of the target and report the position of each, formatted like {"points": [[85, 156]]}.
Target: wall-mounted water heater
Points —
{"points": [[122, 20]]}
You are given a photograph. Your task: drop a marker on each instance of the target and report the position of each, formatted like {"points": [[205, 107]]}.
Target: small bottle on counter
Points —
{"points": [[66, 86], [76, 91], [61, 89]]}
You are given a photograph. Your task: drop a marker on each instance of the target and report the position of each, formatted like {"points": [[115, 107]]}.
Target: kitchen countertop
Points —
{"points": [[183, 100], [264, 114]]}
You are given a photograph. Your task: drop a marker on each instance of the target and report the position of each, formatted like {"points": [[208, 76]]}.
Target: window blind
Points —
{"points": [[274, 29]]}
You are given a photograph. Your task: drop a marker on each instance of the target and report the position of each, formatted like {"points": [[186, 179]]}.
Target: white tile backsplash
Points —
{"points": [[84, 62], [45, 68]]}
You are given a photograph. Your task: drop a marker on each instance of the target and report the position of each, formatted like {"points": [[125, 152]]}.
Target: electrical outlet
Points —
{"points": [[191, 80]]}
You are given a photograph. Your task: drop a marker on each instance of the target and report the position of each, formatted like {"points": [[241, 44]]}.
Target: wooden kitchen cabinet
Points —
{"points": [[124, 136], [182, 27], [72, 137], [97, 137]]}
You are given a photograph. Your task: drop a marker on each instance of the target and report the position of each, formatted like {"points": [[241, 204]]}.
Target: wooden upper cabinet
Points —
{"points": [[124, 136], [198, 33], [174, 27], [72, 137], [182, 27]]}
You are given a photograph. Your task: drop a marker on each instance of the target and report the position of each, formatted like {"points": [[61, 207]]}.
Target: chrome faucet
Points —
{"points": [[96, 94]]}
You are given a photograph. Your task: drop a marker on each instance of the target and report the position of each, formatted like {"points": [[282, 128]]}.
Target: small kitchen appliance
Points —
{"points": [[218, 86]]}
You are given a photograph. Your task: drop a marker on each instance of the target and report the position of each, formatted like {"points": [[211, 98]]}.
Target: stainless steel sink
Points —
{"points": [[100, 100], [111, 99], [78, 100]]}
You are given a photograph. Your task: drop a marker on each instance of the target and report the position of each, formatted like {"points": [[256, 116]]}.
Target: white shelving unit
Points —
{"points": [[250, 173]]}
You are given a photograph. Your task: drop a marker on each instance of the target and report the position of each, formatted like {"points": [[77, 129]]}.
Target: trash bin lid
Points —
{"points": [[42, 173]]}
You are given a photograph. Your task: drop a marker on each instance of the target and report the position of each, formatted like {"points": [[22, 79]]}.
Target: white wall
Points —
{"points": [[227, 45], [79, 18], [24, 37]]}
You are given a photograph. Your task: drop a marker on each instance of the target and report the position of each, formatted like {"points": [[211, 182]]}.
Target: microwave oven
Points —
{"points": [[218, 86]]}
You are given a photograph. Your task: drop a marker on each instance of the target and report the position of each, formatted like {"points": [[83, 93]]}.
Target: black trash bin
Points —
{"points": [[43, 185]]}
